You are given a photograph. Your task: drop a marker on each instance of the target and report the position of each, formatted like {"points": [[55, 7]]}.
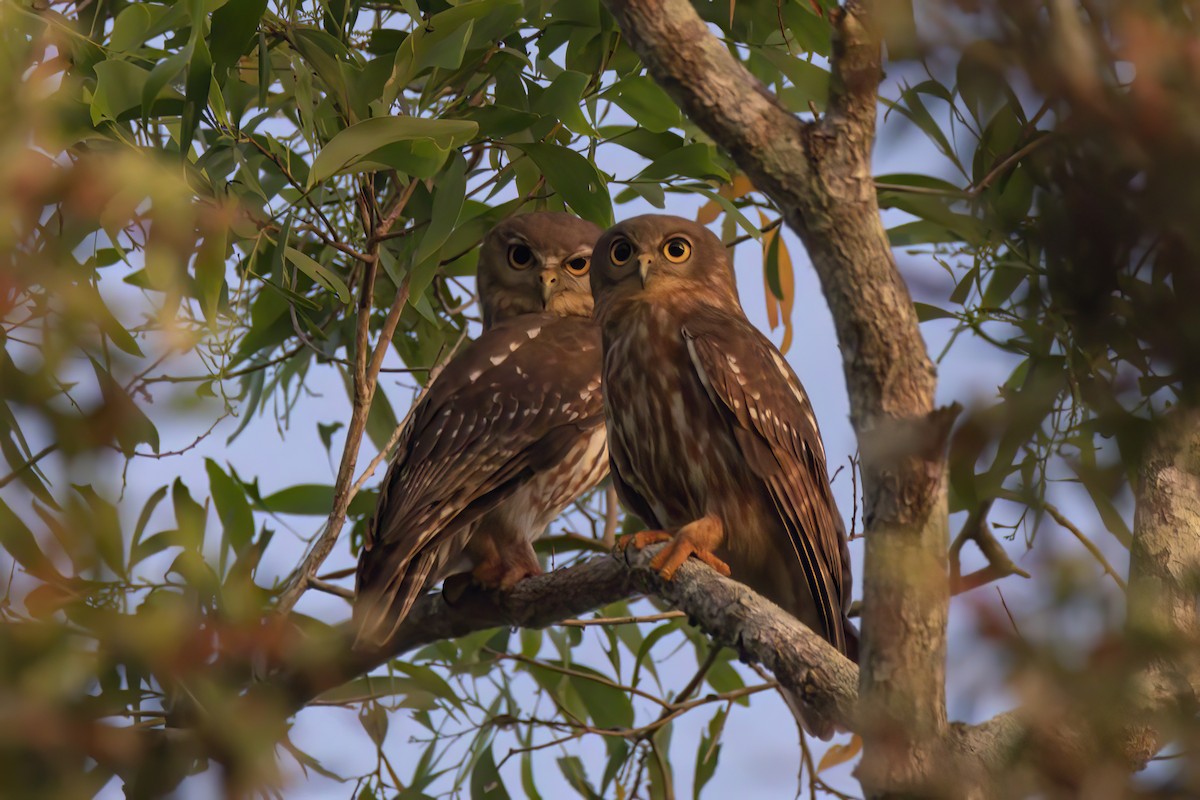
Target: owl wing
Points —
{"points": [[776, 431], [510, 405]]}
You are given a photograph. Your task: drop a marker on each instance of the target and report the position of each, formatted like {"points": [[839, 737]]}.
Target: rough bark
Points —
{"points": [[726, 610], [819, 175], [1164, 560]]}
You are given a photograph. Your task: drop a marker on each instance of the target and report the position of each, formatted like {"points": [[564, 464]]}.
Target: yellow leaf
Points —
{"points": [[840, 753], [740, 187], [777, 310]]}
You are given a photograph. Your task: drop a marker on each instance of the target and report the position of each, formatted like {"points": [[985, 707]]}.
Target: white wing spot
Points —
{"points": [[474, 376], [733, 365], [498, 360], [512, 346], [797, 392], [533, 332]]}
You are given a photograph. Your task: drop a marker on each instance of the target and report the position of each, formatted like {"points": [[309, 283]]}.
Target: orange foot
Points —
{"points": [[641, 539], [697, 539], [504, 574]]}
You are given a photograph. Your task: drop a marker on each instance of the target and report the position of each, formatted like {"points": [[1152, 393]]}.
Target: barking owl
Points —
{"points": [[509, 434], [713, 442]]}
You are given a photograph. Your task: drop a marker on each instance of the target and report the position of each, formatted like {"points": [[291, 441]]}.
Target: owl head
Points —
{"points": [[536, 262], [664, 258]]}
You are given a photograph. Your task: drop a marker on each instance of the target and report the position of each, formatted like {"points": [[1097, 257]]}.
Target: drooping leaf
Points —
{"points": [[413, 145]]}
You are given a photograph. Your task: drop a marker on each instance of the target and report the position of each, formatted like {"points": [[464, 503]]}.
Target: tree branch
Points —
{"points": [[728, 611]]}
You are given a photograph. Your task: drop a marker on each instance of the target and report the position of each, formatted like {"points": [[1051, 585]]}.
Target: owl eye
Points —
{"points": [[579, 265], [520, 256], [620, 252], [677, 250]]}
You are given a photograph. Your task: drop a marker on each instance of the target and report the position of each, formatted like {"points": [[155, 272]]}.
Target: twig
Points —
{"points": [[434, 372], [10, 477], [366, 379], [999, 566], [583, 623], [600, 679], [329, 588]]}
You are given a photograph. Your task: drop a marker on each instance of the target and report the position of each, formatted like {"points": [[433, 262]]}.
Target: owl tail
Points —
{"points": [[379, 610]]}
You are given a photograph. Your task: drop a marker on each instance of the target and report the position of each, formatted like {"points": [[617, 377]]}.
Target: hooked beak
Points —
{"points": [[644, 267], [549, 281]]}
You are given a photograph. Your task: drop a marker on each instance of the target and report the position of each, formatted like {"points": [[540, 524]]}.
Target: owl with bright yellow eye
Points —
{"points": [[712, 439]]}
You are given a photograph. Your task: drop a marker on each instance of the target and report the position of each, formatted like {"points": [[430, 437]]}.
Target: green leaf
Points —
{"points": [[809, 83], [130, 427], [105, 526], [313, 500], [233, 27], [608, 707], [690, 161], [572, 769], [132, 26], [199, 78], [320, 274], [411, 145], [374, 720], [191, 518], [709, 752], [448, 200], [144, 520], [926, 312], [210, 272], [560, 100], [237, 520], [20, 545], [429, 681], [575, 179], [486, 783], [644, 100], [164, 72]]}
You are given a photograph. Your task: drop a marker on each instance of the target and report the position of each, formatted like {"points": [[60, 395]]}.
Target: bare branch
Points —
{"points": [[999, 566]]}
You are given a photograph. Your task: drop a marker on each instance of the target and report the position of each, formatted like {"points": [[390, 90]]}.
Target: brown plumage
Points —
{"points": [[509, 434], [711, 435]]}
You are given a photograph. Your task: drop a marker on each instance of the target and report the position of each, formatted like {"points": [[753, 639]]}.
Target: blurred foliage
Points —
{"points": [[197, 191]]}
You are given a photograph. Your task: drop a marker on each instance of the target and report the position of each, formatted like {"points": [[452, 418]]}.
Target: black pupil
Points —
{"points": [[578, 263], [521, 254], [622, 251], [676, 248]]}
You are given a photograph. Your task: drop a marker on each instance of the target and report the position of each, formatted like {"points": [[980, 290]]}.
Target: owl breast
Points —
{"points": [[672, 447], [675, 450], [531, 509]]}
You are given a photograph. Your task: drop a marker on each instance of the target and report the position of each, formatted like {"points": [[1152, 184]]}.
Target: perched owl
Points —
{"points": [[509, 434], [712, 440]]}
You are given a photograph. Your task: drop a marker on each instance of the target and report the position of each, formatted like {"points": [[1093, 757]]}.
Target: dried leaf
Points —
{"points": [[840, 753], [739, 187]]}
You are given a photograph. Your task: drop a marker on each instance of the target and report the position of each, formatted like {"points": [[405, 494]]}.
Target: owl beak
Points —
{"points": [[644, 261], [549, 281]]}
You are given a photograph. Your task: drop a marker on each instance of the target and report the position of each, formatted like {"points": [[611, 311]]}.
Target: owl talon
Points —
{"points": [[672, 557], [641, 539], [697, 539]]}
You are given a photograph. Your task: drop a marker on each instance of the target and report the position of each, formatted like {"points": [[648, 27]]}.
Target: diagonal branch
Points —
{"points": [[725, 609]]}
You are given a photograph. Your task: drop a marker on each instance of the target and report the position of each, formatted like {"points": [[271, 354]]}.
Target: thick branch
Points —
{"points": [[728, 611], [819, 174]]}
